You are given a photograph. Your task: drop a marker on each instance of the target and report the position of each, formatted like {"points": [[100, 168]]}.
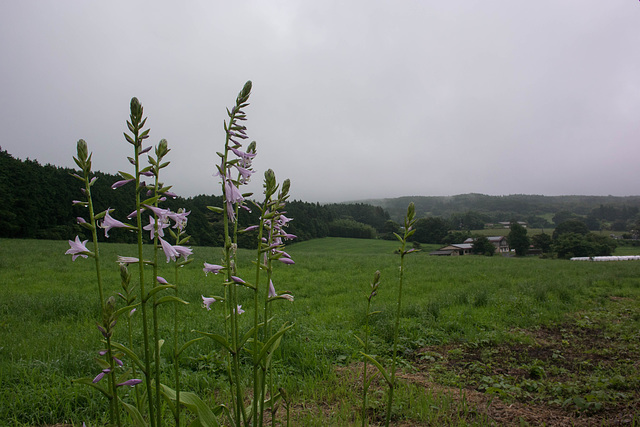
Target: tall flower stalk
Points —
{"points": [[138, 135], [234, 171], [366, 381], [408, 231], [109, 313]]}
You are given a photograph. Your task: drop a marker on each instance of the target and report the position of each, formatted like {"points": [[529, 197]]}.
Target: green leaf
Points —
{"points": [[103, 363], [219, 339], [125, 175], [158, 289], [380, 368], [360, 341], [272, 341], [124, 309], [135, 415], [371, 378], [169, 298], [195, 404], [151, 201], [215, 209], [144, 134]]}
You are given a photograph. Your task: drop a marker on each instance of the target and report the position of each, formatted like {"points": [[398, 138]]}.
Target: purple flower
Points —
{"points": [[160, 213], [272, 290], [283, 220], [127, 260], [130, 382], [206, 302], [239, 310], [273, 294], [286, 260], [81, 220], [162, 280], [212, 268], [246, 157], [162, 223], [146, 150], [245, 173], [238, 280], [108, 223], [78, 249], [183, 251], [232, 195], [169, 250], [251, 228], [180, 219], [119, 184], [118, 361], [101, 375]]}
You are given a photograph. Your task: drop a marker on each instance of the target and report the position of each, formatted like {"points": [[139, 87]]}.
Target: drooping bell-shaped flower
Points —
{"points": [[206, 302], [77, 249], [108, 223], [212, 268], [169, 250], [131, 382]]}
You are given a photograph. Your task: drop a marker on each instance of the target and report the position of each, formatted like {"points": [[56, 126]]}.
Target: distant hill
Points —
{"points": [[501, 208]]}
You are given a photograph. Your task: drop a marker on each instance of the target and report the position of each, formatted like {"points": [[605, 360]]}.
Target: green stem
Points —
{"points": [[175, 346], [364, 369], [156, 333], [114, 413], [143, 301], [395, 335]]}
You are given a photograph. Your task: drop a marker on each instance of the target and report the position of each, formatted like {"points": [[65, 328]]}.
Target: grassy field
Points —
{"points": [[485, 340]]}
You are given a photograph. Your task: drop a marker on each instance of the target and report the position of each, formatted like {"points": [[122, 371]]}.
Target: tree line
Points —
{"points": [[473, 211], [37, 204]]}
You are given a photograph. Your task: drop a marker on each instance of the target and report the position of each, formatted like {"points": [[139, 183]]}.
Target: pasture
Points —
{"points": [[485, 340]]}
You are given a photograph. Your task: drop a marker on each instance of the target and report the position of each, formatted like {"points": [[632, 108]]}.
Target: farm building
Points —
{"points": [[465, 248], [500, 242], [454, 250]]}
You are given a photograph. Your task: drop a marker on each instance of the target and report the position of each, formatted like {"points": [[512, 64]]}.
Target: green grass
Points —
{"points": [[49, 305]]}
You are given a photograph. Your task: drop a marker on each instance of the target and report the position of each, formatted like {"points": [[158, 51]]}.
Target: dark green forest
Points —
{"points": [[37, 203]]}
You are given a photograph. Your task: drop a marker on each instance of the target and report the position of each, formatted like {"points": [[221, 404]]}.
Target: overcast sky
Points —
{"points": [[351, 99]]}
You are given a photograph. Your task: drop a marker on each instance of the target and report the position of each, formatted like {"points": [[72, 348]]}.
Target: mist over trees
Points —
{"points": [[36, 202]]}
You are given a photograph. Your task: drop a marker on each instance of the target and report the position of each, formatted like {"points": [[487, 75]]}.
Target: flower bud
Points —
{"points": [[136, 110], [285, 188], [124, 274], [109, 309], [83, 151], [269, 182], [246, 90], [251, 148], [162, 149]]}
